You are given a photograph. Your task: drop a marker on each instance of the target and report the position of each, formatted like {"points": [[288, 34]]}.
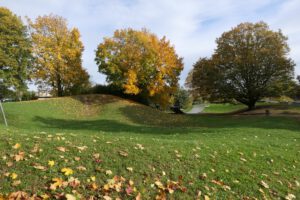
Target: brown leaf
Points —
{"points": [[19, 195], [62, 149], [264, 184], [16, 183], [81, 168], [96, 155], [290, 197], [123, 153], [73, 182], [38, 166], [9, 164], [19, 156], [217, 182], [82, 148], [107, 197], [77, 158], [206, 197], [138, 197]]}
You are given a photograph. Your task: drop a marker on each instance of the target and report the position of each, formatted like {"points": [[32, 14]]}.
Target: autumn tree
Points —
{"points": [[15, 55], [140, 63], [57, 51], [250, 62]]}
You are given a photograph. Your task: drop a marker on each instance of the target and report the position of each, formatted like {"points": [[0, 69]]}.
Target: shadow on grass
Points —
{"points": [[151, 121], [152, 117], [103, 125]]}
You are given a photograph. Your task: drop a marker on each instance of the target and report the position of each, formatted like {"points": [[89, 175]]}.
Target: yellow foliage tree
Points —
{"points": [[141, 64], [57, 51]]}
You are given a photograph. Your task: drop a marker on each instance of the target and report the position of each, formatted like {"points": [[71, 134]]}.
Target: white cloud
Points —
{"points": [[191, 25]]}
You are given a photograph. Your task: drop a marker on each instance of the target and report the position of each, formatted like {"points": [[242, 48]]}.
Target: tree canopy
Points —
{"points": [[57, 51], [250, 62], [15, 54], [141, 64]]}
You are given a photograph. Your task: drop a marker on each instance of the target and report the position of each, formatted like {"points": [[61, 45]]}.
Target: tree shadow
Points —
{"points": [[102, 125], [146, 120], [149, 116]]}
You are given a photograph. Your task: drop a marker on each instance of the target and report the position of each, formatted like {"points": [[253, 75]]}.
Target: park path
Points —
{"points": [[196, 109]]}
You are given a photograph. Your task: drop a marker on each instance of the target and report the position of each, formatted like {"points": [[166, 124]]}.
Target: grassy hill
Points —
{"points": [[116, 148]]}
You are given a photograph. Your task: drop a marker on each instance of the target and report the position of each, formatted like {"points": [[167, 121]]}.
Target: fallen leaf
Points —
{"points": [[67, 171], [264, 184], [82, 148], [123, 153], [96, 155], [18, 195], [206, 197], [290, 197], [45, 196], [77, 158], [62, 149], [140, 146], [9, 164], [138, 197], [40, 167], [131, 182], [73, 182], [70, 197], [16, 183], [128, 190], [93, 186], [13, 176], [57, 183], [108, 172], [81, 168], [217, 182], [16, 146], [19, 156], [107, 197], [51, 163], [159, 185], [129, 169]]}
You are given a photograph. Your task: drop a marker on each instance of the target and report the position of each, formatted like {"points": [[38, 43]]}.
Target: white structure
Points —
{"points": [[2, 110]]}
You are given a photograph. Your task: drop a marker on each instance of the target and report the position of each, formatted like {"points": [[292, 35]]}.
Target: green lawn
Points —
{"points": [[223, 107], [117, 148]]}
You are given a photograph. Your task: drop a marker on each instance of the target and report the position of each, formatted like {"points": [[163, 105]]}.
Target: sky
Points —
{"points": [[192, 26]]}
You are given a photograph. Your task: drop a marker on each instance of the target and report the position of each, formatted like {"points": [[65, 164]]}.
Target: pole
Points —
{"points": [[3, 113]]}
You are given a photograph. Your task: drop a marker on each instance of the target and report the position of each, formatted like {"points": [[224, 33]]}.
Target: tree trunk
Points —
{"points": [[59, 87], [251, 105]]}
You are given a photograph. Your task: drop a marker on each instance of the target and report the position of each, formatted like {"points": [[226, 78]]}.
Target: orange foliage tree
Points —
{"points": [[140, 63]]}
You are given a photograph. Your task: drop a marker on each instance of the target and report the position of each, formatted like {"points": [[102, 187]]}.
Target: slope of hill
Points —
{"points": [[101, 146]]}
